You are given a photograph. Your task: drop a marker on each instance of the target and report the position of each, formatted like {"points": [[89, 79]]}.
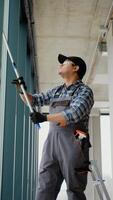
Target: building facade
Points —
{"points": [[18, 136]]}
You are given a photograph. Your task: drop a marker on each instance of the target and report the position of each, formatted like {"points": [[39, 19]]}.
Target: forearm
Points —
{"points": [[58, 118]]}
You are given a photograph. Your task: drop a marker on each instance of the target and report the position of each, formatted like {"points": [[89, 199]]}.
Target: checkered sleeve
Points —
{"points": [[42, 98], [80, 106]]}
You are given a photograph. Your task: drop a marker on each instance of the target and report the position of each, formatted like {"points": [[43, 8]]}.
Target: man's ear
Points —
{"points": [[76, 68]]}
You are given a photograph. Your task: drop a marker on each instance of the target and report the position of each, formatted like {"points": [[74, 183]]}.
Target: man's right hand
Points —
{"points": [[19, 81]]}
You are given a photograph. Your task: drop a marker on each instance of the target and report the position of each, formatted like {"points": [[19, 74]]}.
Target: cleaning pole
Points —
{"points": [[17, 75]]}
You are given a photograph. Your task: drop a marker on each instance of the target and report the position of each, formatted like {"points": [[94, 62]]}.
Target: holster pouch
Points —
{"points": [[84, 144]]}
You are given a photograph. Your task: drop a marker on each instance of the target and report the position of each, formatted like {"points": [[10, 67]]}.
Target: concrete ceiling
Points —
{"points": [[70, 27]]}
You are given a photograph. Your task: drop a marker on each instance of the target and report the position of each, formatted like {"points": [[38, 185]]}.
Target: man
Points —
{"points": [[66, 150]]}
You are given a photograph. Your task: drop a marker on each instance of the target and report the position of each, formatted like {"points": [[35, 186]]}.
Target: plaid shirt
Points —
{"points": [[80, 105]]}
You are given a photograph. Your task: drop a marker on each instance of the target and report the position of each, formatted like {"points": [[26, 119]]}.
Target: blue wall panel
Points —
{"points": [[9, 130], [20, 125]]}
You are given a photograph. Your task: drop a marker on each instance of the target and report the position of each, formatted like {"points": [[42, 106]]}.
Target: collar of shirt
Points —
{"points": [[72, 85]]}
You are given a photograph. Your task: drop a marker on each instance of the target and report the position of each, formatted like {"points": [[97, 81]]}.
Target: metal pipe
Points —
{"points": [[106, 25]]}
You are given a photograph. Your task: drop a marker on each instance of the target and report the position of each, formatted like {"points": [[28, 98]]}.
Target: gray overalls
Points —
{"points": [[63, 157]]}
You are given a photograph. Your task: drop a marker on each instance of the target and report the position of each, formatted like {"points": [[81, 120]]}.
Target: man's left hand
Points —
{"points": [[37, 117]]}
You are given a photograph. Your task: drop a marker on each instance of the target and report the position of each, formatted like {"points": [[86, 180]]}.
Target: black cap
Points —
{"points": [[77, 61]]}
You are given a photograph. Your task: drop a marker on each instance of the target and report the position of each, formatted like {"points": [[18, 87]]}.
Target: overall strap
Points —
{"points": [[76, 87], [61, 87], [65, 101]]}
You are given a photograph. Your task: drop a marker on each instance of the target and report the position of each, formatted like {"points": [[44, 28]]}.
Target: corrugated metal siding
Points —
{"points": [[20, 137]]}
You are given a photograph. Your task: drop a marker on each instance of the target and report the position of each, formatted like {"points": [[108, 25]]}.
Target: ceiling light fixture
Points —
{"points": [[102, 46]]}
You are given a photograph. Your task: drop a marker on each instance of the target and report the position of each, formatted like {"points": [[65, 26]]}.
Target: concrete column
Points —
{"points": [[110, 87], [95, 151]]}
